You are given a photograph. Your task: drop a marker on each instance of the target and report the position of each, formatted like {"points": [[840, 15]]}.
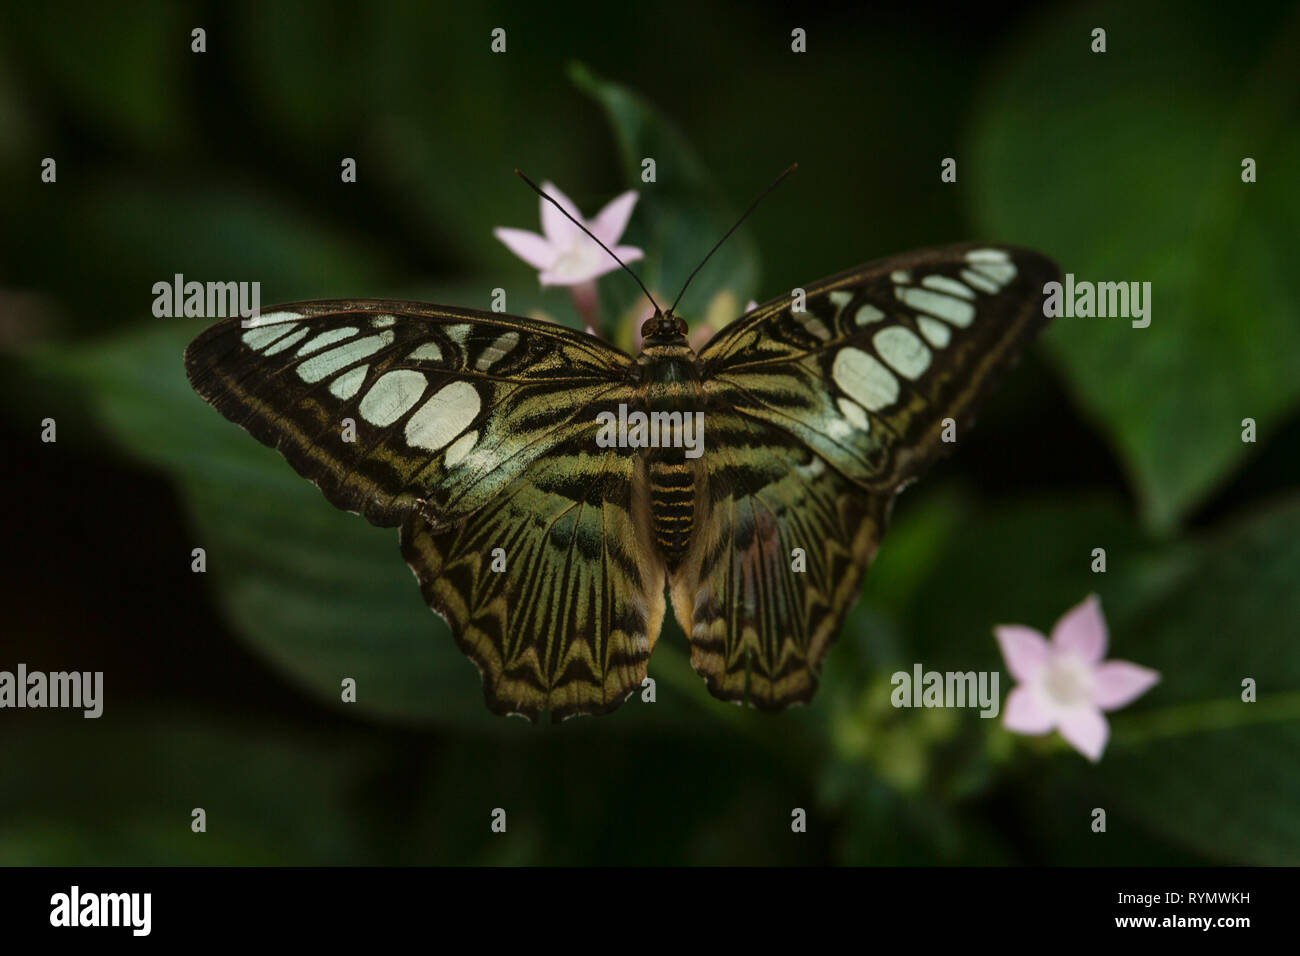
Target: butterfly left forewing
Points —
{"points": [[851, 394], [389, 406]]}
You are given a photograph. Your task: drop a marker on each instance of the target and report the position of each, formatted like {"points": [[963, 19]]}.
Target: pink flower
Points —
{"points": [[563, 254], [1064, 684]]}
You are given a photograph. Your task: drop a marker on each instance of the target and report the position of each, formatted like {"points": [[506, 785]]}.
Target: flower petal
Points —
{"points": [[529, 246], [1024, 650], [612, 220], [626, 253], [1117, 683], [1086, 730], [570, 272], [1023, 714], [1082, 631], [559, 230]]}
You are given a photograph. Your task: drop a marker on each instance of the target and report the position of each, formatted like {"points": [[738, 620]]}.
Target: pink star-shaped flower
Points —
{"points": [[1064, 684], [563, 254]]}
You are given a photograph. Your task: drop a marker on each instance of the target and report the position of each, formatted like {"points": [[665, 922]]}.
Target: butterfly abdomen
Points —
{"points": [[673, 400], [672, 503]]}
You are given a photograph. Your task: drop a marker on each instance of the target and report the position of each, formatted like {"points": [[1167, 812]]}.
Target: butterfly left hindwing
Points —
{"points": [[818, 417]]}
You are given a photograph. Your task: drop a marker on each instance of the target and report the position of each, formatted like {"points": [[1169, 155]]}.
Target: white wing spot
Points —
{"points": [[951, 286], [447, 413], [428, 352], [903, 350], [837, 429], [327, 363], [271, 318], [392, 396], [383, 321], [901, 277], [814, 325], [994, 264], [855, 413], [999, 272], [987, 255], [497, 350], [864, 379], [840, 298], [288, 342], [979, 281], [259, 337], [957, 311], [935, 332], [458, 333], [460, 448], [349, 383], [328, 337], [868, 314]]}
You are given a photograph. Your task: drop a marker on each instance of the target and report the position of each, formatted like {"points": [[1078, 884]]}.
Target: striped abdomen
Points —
{"points": [[673, 402], [672, 502]]}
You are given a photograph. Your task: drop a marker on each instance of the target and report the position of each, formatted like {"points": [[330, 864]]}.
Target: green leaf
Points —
{"points": [[679, 216], [1125, 173]]}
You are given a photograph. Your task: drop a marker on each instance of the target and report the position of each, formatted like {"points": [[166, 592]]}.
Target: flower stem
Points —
{"points": [[586, 299]]}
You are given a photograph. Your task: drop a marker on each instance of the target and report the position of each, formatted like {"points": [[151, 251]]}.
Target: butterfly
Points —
{"points": [[549, 551]]}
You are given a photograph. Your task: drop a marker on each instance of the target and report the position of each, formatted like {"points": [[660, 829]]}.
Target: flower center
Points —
{"points": [[577, 259], [1068, 683]]}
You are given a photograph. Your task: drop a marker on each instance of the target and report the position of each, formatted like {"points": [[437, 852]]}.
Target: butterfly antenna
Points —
{"points": [[776, 182], [538, 189]]}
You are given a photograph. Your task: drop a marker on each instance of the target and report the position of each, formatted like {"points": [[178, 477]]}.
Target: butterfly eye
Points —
{"points": [[648, 327], [681, 327]]}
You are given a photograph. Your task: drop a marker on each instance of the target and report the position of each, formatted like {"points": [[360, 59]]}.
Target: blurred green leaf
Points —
{"points": [[679, 216], [1088, 157]]}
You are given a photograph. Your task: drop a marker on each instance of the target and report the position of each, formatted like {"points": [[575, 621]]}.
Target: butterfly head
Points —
{"points": [[663, 329]]}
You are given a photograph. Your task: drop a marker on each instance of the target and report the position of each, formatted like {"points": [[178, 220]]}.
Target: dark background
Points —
{"points": [[222, 688]]}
